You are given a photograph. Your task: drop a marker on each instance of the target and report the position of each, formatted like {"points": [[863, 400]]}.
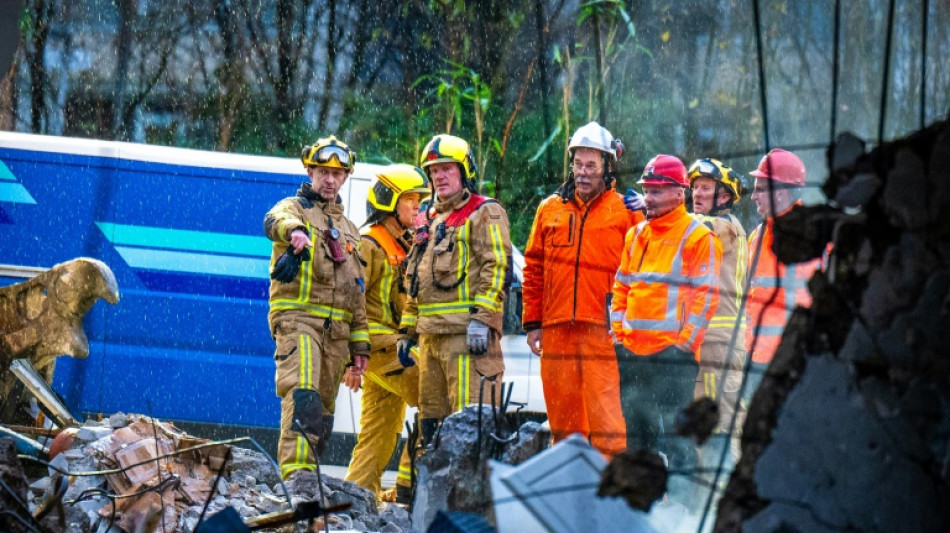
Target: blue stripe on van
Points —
{"points": [[15, 193], [251, 289], [174, 261], [177, 239], [5, 173]]}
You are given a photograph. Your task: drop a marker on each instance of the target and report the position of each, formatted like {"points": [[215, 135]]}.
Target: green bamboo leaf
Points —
{"points": [[626, 18], [547, 142]]}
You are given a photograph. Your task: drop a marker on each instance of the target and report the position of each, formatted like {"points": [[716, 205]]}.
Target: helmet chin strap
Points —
{"points": [[718, 208]]}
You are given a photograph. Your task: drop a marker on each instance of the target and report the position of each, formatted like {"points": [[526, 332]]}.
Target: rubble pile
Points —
{"points": [[850, 429], [453, 474], [145, 478]]}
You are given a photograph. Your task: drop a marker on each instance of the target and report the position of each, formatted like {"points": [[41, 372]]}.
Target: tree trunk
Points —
{"points": [[40, 11]]}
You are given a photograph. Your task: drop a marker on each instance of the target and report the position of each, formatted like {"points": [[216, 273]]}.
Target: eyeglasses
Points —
{"points": [[590, 168], [325, 154]]}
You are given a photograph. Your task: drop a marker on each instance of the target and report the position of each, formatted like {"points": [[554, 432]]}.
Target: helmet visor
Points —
{"points": [[703, 167], [326, 154]]}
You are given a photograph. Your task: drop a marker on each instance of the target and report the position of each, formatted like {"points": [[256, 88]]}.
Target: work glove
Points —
{"points": [[477, 337], [287, 265], [633, 201], [403, 352]]}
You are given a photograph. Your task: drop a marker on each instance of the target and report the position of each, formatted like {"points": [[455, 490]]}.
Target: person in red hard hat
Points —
{"points": [[775, 288], [664, 295]]}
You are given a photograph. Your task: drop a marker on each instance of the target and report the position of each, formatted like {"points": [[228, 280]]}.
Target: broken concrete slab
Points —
{"points": [[557, 491], [453, 473]]}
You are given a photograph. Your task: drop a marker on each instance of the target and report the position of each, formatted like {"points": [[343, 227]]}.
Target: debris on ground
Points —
{"points": [[698, 420], [134, 473], [638, 476]]}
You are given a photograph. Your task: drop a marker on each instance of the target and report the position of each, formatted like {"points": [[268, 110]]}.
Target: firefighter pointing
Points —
{"points": [[317, 314]]}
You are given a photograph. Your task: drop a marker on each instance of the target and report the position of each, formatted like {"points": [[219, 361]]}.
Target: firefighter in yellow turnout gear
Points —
{"points": [[716, 187], [388, 386], [317, 309], [459, 269]]}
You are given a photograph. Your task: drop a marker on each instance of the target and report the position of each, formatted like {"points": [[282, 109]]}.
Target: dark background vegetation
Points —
{"points": [[515, 78]]}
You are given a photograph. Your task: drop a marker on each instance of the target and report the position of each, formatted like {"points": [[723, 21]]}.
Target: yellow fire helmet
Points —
{"points": [[719, 171], [392, 182], [329, 152], [450, 149]]}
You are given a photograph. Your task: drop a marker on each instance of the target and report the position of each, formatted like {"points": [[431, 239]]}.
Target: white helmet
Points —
{"points": [[593, 135]]}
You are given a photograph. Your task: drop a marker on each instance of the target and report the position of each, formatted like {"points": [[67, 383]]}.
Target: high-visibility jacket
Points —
{"points": [[732, 277], [463, 270], [666, 289], [323, 288], [572, 255], [774, 291], [383, 248]]}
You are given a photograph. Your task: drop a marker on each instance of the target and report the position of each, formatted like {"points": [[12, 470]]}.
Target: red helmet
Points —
{"points": [[665, 170], [783, 167]]}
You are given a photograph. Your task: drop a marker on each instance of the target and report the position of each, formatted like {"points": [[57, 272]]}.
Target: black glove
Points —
{"points": [[286, 267], [403, 348]]}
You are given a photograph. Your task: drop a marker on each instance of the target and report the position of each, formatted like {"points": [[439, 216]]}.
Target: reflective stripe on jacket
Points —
{"points": [[774, 292], [462, 272], [383, 250], [322, 288], [666, 289], [572, 255], [732, 276]]}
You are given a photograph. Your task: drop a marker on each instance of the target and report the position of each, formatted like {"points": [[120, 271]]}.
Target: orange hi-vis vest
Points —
{"points": [[384, 300], [666, 289], [774, 292], [394, 252]]}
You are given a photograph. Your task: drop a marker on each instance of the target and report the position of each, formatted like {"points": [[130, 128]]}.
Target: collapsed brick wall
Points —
{"points": [[850, 429]]}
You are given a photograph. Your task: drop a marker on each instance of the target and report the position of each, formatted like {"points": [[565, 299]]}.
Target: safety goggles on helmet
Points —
{"points": [[329, 152], [326, 154], [649, 178], [718, 171], [703, 168]]}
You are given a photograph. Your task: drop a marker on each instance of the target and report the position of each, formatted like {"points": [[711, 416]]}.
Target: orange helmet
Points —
{"points": [[783, 167]]}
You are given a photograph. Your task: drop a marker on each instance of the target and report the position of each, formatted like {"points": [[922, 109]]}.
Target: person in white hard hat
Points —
{"points": [[572, 254]]}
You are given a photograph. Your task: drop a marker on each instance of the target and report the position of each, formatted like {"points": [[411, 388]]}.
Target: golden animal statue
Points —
{"points": [[41, 319]]}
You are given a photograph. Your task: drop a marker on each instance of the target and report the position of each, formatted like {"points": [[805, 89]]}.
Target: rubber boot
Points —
{"points": [[325, 434], [427, 430]]}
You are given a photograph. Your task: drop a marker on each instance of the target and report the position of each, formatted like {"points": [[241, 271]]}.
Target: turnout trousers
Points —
{"points": [[450, 378], [582, 385], [721, 385], [309, 368], [384, 401]]}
